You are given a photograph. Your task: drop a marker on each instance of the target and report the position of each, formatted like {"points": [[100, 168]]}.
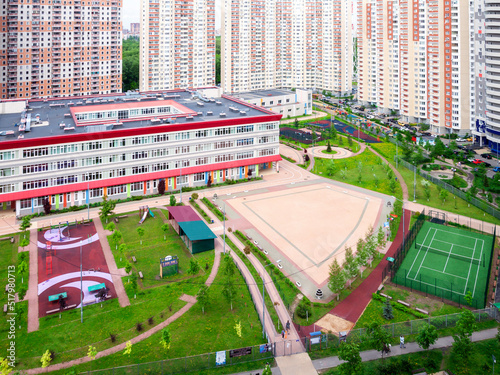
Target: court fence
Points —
{"points": [[455, 191]]}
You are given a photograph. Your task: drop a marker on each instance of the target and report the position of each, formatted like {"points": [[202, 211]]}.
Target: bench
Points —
{"points": [[493, 296], [5, 308], [386, 296], [494, 283], [122, 216], [141, 275], [55, 297], [422, 311], [115, 220], [133, 259], [381, 286], [404, 303], [95, 288], [11, 239]]}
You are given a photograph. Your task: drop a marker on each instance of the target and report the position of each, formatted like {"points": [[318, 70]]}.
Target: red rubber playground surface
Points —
{"points": [[353, 306], [59, 266]]}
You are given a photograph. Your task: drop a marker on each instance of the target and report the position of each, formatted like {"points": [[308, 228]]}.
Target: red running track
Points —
{"points": [[355, 304]]}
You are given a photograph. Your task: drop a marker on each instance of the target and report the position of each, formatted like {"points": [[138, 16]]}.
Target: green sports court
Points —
{"points": [[448, 262]]}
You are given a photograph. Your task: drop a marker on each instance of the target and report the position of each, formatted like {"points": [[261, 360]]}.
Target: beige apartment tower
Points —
{"points": [[177, 44], [54, 48], [268, 44], [413, 58]]}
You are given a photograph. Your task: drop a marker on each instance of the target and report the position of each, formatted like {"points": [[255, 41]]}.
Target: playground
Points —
{"points": [[355, 133], [311, 224], [59, 286], [299, 135]]}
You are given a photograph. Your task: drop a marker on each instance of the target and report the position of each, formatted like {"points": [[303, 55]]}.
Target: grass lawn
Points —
{"points": [[153, 248], [365, 170], [455, 205], [329, 152], [196, 333], [373, 314]]}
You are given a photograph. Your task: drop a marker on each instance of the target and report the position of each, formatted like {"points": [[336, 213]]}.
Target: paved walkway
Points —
{"points": [[32, 293], [110, 261], [396, 172]]}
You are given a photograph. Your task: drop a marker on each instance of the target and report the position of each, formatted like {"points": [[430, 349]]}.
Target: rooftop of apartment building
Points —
{"points": [[262, 94], [42, 118]]}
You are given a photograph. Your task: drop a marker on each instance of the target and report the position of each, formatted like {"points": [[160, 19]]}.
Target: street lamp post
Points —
{"points": [[88, 201], [81, 284], [414, 182], [224, 227], [180, 183]]}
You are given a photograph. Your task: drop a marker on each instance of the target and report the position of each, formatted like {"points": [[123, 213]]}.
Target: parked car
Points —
{"points": [[477, 161], [471, 160], [460, 140], [487, 156], [496, 169]]}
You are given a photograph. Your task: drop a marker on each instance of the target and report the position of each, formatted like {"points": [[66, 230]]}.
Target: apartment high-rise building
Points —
{"points": [[413, 58], [484, 76], [269, 44], [135, 28], [177, 44], [57, 49]]}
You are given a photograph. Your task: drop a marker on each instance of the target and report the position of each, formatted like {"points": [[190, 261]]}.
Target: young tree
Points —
{"points": [[392, 185], [46, 206], [229, 290], [117, 236], [462, 344], [164, 228], [387, 312], [381, 239], [111, 227], [140, 232], [427, 336], [24, 242], [379, 337], [128, 348], [128, 268], [350, 264], [92, 352], [22, 268], [228, 266], [161, 186], [443, 194], [353, 364], [296, 123], [361, 255], [106, 209], [25, 223], [173, 201], [165, 338], [5, 369], [337, 278], [331, 169], [203, 297], [371, 244], [267, 370], [194, 267], [46, 358], [194, 196]]}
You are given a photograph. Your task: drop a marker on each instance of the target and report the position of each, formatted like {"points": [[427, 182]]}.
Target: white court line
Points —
{"points": [[462, 246], [470, 267], [447, 259], [477, 273], [445, 273], [458, 234], [452, 291], [418, 253], [427, 252]]}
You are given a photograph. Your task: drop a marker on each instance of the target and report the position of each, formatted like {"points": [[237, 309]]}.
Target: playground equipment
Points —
{"points": [[62, 224], [143, 213], [48, 259]]}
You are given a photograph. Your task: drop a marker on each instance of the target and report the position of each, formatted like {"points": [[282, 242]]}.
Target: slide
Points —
{"points": [[143, 217], [151, 213]]}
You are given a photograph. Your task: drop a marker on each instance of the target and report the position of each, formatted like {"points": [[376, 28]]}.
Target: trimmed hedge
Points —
{"points": [[200, 210], [215, 210]]}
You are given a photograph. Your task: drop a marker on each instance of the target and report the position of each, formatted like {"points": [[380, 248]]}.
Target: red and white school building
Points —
{"points": [[76, 150]]}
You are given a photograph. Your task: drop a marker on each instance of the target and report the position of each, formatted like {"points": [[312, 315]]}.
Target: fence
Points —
{"points": [[360, 336], [455, 191], [194, 363]]}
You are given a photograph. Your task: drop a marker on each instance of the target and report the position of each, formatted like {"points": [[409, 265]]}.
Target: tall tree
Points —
{"points": [[379, 337], [350, 264], [130, 64], [337, 278], [229, 290], [427, 336], [161, 186], [462, 344], [107, 208], [353, 364]]}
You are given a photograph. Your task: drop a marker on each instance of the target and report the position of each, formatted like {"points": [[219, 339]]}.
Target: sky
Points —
{"points": [[131, 12]]}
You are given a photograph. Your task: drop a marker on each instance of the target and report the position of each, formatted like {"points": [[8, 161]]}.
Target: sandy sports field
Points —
{"points": [[311, 224]]}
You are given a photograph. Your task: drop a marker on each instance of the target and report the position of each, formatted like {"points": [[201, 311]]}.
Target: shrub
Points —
{"points": [[138, 327], [303, 310], [21, 291], [112, 337]]}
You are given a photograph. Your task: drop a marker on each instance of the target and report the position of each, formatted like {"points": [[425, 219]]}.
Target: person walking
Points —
{"points": [[402, 342], [282, 333]]}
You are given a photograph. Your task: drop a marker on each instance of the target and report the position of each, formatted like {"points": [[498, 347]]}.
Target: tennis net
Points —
{"points": [[446, 253]]}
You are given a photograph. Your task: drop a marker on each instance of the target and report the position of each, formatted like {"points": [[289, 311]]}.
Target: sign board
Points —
{"points": [[220, 358], [240, 352], [315, 340], [170, 262]]}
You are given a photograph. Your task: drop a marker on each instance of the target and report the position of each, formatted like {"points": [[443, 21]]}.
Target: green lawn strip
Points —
{"points": [[402, 364], [214, 209], [373, 314], [480, 362], [286, 288], [318, 309], [388, 150], [366, 165], [201, 211], [288, 159], [195, 333]]}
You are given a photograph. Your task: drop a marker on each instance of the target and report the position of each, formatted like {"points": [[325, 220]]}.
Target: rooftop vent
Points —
{"points": [[218, 103], [200, 104], [189, 118], [200, 113], [210, 113], [243, 113], [222, 114]]}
